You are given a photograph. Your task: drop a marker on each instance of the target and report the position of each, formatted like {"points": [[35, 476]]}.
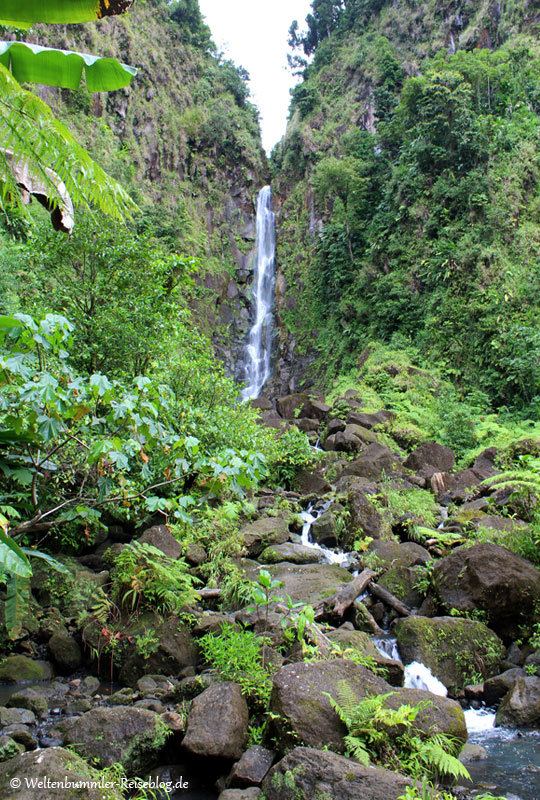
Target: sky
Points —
{"points": [[253, 33]]}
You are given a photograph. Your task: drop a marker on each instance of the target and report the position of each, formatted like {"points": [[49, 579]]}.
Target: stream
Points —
{"points": [[512, 765]]}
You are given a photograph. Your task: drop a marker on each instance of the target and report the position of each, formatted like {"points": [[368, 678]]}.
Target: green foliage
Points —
{"points": [[390, 736], [143, 578], [238, 656], [293, 452]]}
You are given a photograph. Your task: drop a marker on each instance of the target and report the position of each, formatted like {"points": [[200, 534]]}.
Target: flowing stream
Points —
{"points": [[259, 347]]}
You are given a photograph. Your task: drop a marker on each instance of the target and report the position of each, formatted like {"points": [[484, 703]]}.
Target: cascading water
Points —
{"points": [[259, 346]]}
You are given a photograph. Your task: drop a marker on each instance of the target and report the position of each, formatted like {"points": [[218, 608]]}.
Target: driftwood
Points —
{"points": [[339, 602], [388, 598]]}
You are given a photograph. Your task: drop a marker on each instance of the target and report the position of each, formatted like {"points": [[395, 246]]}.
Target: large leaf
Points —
{"points": [[16, 605], [31, 63], [23, 13], [12, 558]]}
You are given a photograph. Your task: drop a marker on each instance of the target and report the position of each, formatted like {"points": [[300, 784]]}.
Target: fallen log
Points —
{"points": [[363, 616], [388, 598], [340, 601]]}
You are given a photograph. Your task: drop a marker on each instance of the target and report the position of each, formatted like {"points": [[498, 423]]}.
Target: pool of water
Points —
{"points": [[512, 768]]}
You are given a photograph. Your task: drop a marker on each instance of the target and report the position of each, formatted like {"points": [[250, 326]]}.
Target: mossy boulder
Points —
{"points": [[492, 579], [132, 736], [301, 708], [65, 652], [307, 773], [57, 766], [9, 748], [309, 583], [17, 669], [437, 715], [457, 651], [262, 533], [293, 553], [401, 582]]}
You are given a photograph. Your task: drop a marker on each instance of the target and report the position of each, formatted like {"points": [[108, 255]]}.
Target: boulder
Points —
{"points": [[431, 454], [369, 420], [173, 648], [365, 519], [499, 685], [309, 583], [217, 723], [408, 554], [263, 532], [492, 579], [17, 669], [456, 650], [293, 553], [30, 699], [374, 462], [438, 714], [132, 736], [335, 425], [287, 405], [315, 409], [301, 709], [401, 582], [308, 482], [160, 537], [251, 793], [252, 767], [9, 748], [306, 774], [65, 652], [521, 706], [362, 643], [54, 765]]}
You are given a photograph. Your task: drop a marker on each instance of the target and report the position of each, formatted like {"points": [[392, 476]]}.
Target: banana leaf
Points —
{"points": [[24, 14], [31, 63]]}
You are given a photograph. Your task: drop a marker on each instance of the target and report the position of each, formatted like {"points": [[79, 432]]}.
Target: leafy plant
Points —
{"points": [[370, 735], [237, 654], [143, 577]]}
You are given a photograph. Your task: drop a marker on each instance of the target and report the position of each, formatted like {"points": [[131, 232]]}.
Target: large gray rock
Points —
{"points": [[308, 774], [173, 648], [217, 723], [132, 736], [293, 553], [287, 405], [57, 766], [492, 579], [65, 652], [457, 651], [309, 583], [499, 685], [369, 420], [252, 767], [521, 706], [159, 536], [431, 454], [374, 462], [302, 710], [365, 520], [315, 409], [394, 554], [262, 533], [438, 714]]}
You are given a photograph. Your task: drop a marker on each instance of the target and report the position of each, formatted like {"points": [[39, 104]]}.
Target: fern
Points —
{"points": [[31, 135]]}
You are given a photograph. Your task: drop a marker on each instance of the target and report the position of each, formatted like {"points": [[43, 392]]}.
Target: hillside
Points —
{"points": [[408, 185], [184, 139]]}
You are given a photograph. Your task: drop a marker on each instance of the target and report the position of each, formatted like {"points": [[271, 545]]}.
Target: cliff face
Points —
{"points": [[185, 140], [393, 219]]}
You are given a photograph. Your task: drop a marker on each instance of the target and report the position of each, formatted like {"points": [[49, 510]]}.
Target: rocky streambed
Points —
{"points": [[457, 605]]}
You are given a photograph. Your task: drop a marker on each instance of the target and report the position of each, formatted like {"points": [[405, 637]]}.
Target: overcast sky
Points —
{"points": [[254, 35]]}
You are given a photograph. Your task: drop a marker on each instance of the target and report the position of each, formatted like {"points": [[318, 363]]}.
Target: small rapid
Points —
{"points": [[308, 518]]}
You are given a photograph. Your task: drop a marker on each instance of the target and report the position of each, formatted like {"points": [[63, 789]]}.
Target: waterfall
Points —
{"points": [[259, 345]]}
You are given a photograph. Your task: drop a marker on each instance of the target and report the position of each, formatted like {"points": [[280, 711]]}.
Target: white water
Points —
{"points": [[387, 646], [308, 519], [481, 720], [259, 347], [418, 676]]}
